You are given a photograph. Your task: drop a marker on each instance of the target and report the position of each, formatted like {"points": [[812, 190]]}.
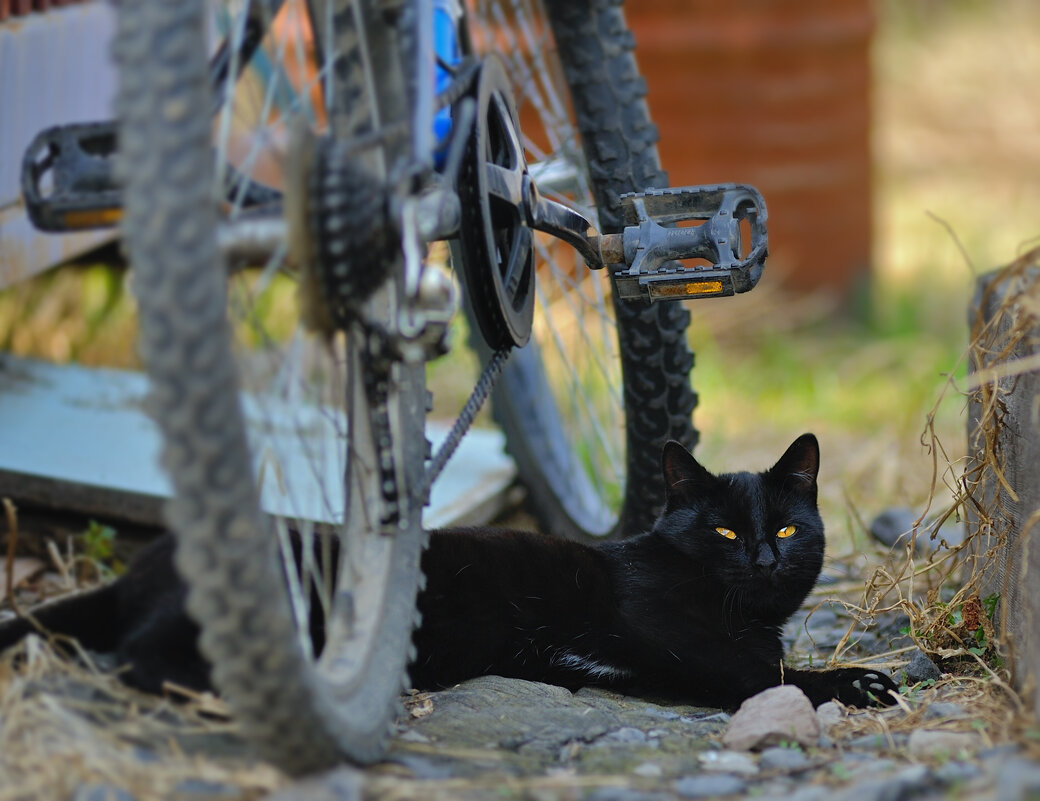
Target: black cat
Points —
{"points": [[690, 611]]}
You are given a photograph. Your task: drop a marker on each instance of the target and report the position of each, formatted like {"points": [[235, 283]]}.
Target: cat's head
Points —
{"points": [[759, 532]]}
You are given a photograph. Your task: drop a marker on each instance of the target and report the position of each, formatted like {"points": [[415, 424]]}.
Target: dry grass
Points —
{"points": [[990, 711], [66, 726], [946, 594]]}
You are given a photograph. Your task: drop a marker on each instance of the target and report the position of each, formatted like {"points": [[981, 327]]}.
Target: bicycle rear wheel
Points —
{"points": [[316, 463], [588, 404]]}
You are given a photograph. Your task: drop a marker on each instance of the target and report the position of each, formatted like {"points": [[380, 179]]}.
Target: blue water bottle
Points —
{"points": [[446, 16]]}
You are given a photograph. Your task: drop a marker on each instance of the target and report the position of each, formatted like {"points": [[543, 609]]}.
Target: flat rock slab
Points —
{"points": [[521, 727]]}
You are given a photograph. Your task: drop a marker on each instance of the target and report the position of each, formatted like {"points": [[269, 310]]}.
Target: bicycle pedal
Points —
{"points": [[690, 242], [67, 179]]}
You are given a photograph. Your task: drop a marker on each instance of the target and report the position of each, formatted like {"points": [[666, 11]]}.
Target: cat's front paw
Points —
{"points": [[861, 687]]}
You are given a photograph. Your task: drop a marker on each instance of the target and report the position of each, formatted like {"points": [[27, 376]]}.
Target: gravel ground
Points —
{"points": [[71, 730]]}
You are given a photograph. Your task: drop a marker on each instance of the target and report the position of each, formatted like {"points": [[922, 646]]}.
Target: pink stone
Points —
{"points": [[777, 715]]}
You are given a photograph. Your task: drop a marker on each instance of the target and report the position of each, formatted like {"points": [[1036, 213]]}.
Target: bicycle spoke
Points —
{"points": [[574, 315], [577, 388]]}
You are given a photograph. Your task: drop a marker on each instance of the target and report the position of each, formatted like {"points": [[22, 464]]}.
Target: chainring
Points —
{"points": [[495, 242]]}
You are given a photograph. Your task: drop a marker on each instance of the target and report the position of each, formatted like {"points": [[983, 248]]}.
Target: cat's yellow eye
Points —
{"points": [[785, 532], [727, 533]]}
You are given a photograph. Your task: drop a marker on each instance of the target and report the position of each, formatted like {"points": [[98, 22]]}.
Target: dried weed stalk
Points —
{"points": [[949, 591]]}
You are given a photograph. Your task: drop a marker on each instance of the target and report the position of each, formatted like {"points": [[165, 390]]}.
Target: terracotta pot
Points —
{"points": [[775, 93]]}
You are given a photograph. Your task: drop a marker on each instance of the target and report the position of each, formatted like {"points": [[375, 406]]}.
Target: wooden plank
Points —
{"points": [[77, 439]]}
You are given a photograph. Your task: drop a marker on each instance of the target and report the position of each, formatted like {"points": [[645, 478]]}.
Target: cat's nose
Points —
{"points": [[765, 559]]}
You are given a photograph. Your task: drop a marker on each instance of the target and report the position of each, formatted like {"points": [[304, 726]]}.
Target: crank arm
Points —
{"points": [[563, 222]]}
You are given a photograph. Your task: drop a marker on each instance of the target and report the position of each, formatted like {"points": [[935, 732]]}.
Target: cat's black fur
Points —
{"points": [[682, 612]]}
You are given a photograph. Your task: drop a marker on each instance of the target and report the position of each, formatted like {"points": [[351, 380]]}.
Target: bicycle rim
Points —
{"points": [[279, 482]]}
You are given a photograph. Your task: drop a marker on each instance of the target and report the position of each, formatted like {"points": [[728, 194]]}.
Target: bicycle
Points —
{"points": [[402, 129]]}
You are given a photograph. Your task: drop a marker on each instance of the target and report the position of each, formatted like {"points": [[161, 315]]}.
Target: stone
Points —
{"points": [[894, 527], [1018, 780], [101, 792], [773, 717], [627, 734], [944, 710], [625, 794], [420, 767], [204, 790], [709, 786], [513, 714], [341, 784], [812, 792], [829, 714], [877, 742], [955, 772], [933, 743], [783, 759], [856, 766], [648, 770], [998, 753], [736, 762], [920, 668], [907, 783]]}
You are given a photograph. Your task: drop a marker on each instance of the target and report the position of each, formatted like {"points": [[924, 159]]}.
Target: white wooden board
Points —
{"points": [[77, 439]]}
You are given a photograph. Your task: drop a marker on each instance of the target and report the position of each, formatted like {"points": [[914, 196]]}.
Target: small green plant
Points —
{"points": [[911, 691], [98, 543], [969, 624], [989, 605], [841, 771]]}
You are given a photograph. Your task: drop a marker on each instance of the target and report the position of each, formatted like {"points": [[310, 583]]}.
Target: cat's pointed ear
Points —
{"points": [[683, 474], [800, 464]]}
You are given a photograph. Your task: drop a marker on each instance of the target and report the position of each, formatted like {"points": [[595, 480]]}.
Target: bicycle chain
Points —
{"points": [[377, 371], [348, 230], [465, 419], [461, 84]]}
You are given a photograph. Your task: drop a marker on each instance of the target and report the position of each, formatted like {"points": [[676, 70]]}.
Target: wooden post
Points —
{"points": [[1003, 476]]}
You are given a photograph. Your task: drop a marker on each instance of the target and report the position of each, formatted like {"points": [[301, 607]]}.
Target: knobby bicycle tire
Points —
{"points": [[304, 713], [595, 49]]}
